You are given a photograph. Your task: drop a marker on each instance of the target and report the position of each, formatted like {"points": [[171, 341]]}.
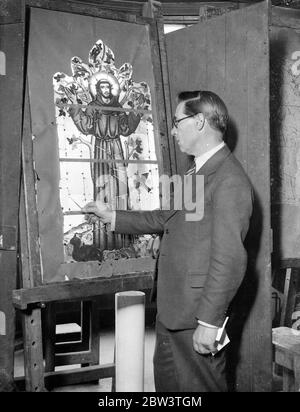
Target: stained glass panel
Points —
{"points": [[94, 118]]}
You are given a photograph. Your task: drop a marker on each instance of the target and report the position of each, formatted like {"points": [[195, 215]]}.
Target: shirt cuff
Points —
{"points": [[113, 221], [208, 325]]}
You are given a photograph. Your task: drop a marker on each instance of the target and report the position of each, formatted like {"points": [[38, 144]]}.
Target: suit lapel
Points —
{"points": [[213, 163], [210, 167]]}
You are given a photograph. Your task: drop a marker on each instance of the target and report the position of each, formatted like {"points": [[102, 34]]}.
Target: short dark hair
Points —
{"points": [[209, 104], [98, 84]]}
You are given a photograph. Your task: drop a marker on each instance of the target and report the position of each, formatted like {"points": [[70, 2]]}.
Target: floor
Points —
{"points": [[106, 356]]}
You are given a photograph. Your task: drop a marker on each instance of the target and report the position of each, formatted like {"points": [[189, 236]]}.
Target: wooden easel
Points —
{"points": [[34, 296]]}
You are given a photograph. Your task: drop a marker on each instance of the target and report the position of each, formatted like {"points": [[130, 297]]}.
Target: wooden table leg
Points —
{"points": [[33, 351], [288, 380]]}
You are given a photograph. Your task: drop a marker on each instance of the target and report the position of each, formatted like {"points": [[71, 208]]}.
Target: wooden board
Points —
{"points": [[229, 55], [93, 269], [74, 376], [81, 289], [30, 261], [255, 369], [11, 89], [88, 9], [285, 140]]}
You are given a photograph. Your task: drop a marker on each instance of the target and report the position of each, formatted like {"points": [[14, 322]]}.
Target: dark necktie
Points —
{"points": [[192, 170]]}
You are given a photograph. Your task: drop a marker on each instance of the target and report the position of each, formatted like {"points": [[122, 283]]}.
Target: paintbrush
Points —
{"points": [[80, 207]]}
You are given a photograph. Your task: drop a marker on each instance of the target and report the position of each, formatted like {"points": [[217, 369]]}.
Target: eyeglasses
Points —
{"points": [[175, 122]]}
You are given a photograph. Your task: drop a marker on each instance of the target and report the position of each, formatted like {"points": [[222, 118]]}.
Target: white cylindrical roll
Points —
{"points": [[129, 341]]}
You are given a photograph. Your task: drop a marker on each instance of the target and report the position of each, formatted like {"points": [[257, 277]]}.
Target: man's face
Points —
{"points": [[105, 89], [186, 132]]}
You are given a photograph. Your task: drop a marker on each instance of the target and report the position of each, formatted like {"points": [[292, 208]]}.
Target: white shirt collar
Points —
{"points": [[202, 159]]}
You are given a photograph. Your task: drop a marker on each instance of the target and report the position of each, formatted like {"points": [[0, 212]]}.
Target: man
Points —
{"points": [[201, 263], [106, 126]]}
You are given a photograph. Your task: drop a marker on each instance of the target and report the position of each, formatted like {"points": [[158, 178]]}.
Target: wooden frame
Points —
{"points": [[85, 288], [162, 118], [159, 68], [33, 295]]}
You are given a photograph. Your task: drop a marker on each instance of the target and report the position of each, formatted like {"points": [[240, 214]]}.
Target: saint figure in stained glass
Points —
{"points": [[104, 103]]}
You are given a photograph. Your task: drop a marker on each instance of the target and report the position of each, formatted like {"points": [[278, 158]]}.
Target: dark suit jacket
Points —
{"points": [[201, 264]]}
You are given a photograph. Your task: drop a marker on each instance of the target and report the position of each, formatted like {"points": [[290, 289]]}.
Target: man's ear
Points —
{"points": [[200, 120]]}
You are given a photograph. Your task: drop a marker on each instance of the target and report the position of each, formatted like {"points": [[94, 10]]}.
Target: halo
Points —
{"points": [[104, 77]]}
